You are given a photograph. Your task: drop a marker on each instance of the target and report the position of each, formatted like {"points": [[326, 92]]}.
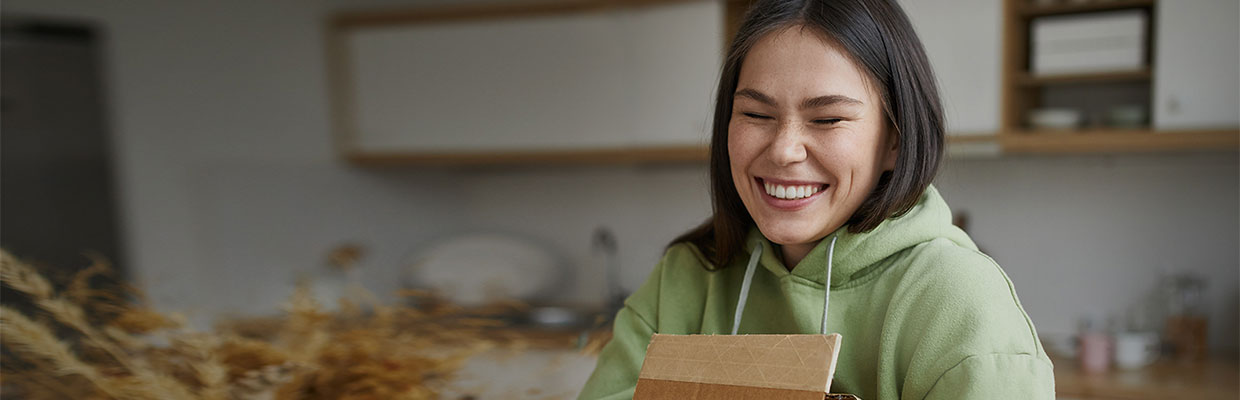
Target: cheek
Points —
{"points": [[744, 144], [736, 149], [742, 150]]}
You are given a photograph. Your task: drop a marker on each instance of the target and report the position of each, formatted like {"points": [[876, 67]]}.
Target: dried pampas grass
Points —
{"points": [[78, 341]]}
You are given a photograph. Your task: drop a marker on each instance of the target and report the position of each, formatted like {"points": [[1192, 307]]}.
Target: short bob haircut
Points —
{"points": [[877, 36]]}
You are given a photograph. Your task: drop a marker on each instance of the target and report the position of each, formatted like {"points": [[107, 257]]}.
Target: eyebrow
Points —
{"points": [[814, 102]]}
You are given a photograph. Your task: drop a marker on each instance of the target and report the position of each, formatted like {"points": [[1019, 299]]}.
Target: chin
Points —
{"points": [[786, 234]]}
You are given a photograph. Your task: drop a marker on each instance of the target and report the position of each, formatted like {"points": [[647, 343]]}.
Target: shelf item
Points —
{"points": [[1085, 43], [1055, 118], [1140, 75], [1127, 117]]}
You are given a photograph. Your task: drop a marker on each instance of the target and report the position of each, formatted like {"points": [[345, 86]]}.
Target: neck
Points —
{"points": [[794, 253]]}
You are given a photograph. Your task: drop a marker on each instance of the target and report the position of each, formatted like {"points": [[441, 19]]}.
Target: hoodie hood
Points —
{"points": [[856, 254]]}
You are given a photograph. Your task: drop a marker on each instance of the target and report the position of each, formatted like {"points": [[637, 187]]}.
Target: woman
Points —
{"points": [[827, 134]]}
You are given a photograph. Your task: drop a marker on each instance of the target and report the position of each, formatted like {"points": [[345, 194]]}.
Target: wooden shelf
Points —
{"points": [[1119, 141], [1032, 10], [1099, 141], [641, 155], [1028, 80]]}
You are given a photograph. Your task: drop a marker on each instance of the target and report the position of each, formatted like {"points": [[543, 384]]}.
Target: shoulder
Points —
{"points": [[685, 255], [682, 270], [680, 277], [944, 269], [957, 302], [941, 277], [952, 304]]}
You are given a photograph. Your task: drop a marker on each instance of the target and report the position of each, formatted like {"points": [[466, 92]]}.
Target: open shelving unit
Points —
{"points": [[1023, 91]]}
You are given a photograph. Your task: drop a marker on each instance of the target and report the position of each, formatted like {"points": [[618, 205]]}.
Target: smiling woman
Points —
{"points": [[827, 133], [803, 162]]}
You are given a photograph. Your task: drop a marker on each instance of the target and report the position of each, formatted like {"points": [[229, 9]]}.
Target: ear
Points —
{"points": [[893, 148]]}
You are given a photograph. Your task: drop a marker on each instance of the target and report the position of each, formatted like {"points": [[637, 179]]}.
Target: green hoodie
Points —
{"points": [[923, 313]]}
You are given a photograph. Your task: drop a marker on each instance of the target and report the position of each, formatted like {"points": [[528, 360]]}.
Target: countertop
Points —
{"points": [[1165, 379]]}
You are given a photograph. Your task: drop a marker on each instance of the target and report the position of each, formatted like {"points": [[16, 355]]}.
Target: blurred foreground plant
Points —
{"points": [[78, 341]]}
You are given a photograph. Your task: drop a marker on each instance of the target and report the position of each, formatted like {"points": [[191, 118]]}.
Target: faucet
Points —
{"points": [[604, 242]]}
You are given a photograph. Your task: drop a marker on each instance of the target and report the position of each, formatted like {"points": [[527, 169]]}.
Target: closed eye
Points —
{"points": [[756, 115], [825, 121]]}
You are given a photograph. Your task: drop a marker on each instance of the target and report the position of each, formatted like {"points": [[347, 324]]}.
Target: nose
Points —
{"points": [[788, 147]]}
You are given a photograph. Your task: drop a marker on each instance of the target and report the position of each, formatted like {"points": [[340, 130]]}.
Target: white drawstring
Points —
{"points": [[753, 264], [740, 303], [826, 288]]}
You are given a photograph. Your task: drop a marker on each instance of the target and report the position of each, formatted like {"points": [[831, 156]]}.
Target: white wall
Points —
{"points": [[231, 189], [1091, 235]]}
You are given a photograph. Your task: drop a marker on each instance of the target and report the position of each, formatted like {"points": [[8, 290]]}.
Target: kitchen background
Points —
{"points": [[229, 185]]}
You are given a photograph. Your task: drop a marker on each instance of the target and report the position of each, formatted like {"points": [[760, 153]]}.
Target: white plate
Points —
{"points": [[477, 269]]}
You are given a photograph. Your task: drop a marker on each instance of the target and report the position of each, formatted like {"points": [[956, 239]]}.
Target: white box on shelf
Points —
{"points": [[1096, 42]]}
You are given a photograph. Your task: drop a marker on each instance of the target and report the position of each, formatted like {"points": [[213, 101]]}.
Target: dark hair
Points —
{"points": [[877, 36]]}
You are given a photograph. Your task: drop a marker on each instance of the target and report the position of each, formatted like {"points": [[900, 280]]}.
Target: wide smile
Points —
{"points": [[789, 195]]}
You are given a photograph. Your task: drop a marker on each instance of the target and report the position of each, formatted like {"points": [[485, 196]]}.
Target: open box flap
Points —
{"points": [[749, 366]]}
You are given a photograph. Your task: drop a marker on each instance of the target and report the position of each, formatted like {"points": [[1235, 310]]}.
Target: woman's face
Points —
{"points": [[807, 138]]}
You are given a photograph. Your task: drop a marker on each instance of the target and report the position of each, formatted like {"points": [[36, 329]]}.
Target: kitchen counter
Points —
{"points": [[533, 374], [1206, 380], [516, 336]]}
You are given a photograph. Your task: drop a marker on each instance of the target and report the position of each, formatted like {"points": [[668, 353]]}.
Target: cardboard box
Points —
{"points": [[1095, 42], [687, 367]]}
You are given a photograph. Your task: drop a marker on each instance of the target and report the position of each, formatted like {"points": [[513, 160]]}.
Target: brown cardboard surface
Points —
{"points": [[788, 362], [658, 389]]}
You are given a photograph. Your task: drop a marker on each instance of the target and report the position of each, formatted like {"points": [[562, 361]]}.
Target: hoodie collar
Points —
{"points": [[856, 253]]}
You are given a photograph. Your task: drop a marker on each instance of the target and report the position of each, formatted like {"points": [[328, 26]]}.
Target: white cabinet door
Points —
{"points": [[1197, 64], [677, 51], [551, 82], [962, 39], [602, 79]]}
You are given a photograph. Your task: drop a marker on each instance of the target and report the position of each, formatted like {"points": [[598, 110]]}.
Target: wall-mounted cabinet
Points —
{"points": [[604, 81], [1197, 82], [587, 81], [963, 42]]}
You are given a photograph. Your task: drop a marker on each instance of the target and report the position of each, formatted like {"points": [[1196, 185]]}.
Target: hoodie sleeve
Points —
{"points": [[615, 375], [996, 376]]}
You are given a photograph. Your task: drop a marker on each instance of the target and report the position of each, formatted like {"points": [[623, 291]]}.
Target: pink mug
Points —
{"points": [[1095, 352]]}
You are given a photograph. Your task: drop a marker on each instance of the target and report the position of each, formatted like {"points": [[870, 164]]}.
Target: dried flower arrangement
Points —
{"points": [[81, 342]]}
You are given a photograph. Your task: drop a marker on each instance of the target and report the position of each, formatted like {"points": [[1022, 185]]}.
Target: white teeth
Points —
{"points": [[790, 192]]}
